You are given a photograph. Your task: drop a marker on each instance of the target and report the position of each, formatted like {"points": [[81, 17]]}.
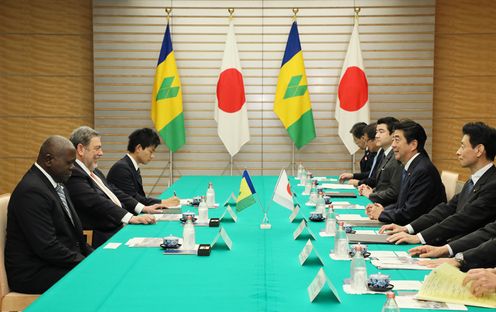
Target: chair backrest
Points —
{"points": [[4, 285], [450, 179]]}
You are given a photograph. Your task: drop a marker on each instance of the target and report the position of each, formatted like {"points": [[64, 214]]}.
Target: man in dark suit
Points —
{"points": [[421, 187], [44, 235], [101, 206], [384, 188], [370, 160], [467, 211], [125, 173], [475, 250]]}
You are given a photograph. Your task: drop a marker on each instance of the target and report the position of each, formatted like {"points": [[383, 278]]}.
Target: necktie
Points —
{"points": [[140, 180], [105, 189], [404, 176], [470, 187], [373, 164], [60, 192]]}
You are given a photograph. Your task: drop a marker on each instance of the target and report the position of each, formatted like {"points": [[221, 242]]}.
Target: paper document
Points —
{"points": [[404, 263], [444, 284], [167, 217], [335, 186], [409, 302], [368, 238], [356, 219], [146, 242], [398, 285]]}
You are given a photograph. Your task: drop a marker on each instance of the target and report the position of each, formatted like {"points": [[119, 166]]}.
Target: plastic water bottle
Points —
{"points": [[202, 210], [303, 179], [313, 193], [341, 242], [358, 272], [320, 203], [300, 171], [390, 305], [189, 235], [330, 226], [210, 196], [308, 184]]}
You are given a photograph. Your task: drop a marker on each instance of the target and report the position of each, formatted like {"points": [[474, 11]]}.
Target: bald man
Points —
{"points": [[44, 235]]}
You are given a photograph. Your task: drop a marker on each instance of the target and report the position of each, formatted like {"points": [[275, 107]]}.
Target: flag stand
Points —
{"points": [[231, 164], [265, 225], [169, 163], [293, 161]]}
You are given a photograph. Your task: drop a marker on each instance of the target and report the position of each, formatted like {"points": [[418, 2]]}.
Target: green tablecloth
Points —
{"points": [[260, 273]]}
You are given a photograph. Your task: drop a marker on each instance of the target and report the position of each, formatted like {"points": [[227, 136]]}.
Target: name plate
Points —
{"points": [[307, 251], [318, 283], [231, 212], [294, 213], [223, 235], [303, 226]]}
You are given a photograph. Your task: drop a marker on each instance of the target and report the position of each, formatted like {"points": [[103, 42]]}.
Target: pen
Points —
{"points": [[174, 193]]}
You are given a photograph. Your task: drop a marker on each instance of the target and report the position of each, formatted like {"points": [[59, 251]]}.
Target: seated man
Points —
{"points": [[482, 282], [467, 211], [101, 206], [384, 187], [125, 173], [421, 186], [44, 235], [373, 156]]}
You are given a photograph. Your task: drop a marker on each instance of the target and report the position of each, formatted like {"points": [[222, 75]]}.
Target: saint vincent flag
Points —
{"points": [[167, 98], [246, 191], [292, 102]]}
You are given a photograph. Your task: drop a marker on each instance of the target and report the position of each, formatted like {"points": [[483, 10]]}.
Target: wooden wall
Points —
{"points": [[464, 74], [46, 77]]}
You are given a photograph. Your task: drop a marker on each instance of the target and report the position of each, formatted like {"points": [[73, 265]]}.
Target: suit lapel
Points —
{"points": [[137, 176], [51, 189], [383, 164], [480, 183]]}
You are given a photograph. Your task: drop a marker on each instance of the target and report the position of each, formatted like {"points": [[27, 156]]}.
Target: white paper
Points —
{"points": [[398, 263], [334, 257], [305, 252], [334, 186], [185, 201], [167, 217], [368, 232], [299, 229], [406, 284], [112, 245], [409, 302], [350, 217], [222, 234], [146, 242], [323, 233], [348, 206], [318, 283]]}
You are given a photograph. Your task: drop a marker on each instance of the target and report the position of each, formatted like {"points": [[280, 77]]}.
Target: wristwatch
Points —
{"points": [[459, 258]]}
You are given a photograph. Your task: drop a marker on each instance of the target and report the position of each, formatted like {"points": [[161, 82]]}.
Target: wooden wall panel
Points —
{"points": [[46, 71], [396, 40], [464, 74]]}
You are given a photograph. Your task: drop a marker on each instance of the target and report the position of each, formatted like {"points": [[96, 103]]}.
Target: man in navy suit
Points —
{"points": [[472, 208], [126, 174], [421, 188], [44, 235]]}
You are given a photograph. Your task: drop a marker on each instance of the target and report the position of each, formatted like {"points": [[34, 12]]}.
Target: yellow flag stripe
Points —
{"points": [[165, 110]]}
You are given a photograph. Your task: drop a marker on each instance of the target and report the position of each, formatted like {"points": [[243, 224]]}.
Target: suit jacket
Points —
{"points": [[420, 191], [372, 181], [95, 209], [476, 238], [465, 213], [482, 256], [388, 181], [40, 235], [365, 165], [124, 176]]}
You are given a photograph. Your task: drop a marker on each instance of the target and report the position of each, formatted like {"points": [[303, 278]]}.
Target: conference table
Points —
{"points": [[260, 273]]}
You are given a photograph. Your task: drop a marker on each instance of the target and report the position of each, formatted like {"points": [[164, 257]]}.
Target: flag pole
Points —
{"points": [[231, 163], [170, 168], [293, 160]]}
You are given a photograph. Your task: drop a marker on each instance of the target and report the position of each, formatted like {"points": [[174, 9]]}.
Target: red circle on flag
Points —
{"points": [[230, 91], [353, 91], [288, 188]]}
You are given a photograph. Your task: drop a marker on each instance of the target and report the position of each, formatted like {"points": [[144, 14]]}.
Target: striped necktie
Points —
{"points": [[60, 191]]}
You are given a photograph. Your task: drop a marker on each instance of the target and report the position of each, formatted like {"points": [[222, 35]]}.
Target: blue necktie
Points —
{"points": [[373, 164], [470, 187]]}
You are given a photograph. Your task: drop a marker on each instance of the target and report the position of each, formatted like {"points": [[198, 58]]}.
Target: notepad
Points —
{"points": [[368, 238]]}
